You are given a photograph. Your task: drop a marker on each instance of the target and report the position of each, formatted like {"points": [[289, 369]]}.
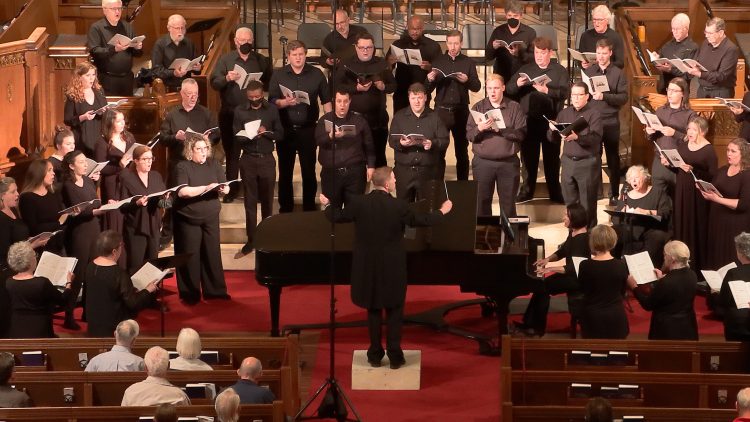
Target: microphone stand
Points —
{"points": [[571, 17], [334, 402]]}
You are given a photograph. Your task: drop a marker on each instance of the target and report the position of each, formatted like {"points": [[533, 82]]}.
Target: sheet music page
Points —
{"points": [[641, 267], [160, 193], [478, 117], [43, 236], [587, 80], [399, 54], [674, 157], [577, 262], [497, 118], [577, 55], [118, 204], [146, 274], [349, 130], [709, 187], [251, 128], [129, 152], [302, 97], [55, 268], [653, 121], [600, 83], [242, 81], [680, 65], [414, 55], [713, 279], [286, 92], [639, 113], [725, 269], [740, 293]]}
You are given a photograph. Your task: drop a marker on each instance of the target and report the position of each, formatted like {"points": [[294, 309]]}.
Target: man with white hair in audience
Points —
{"points": [[247, 387], [680, 46], [171, 46], [119, 358], [743, 405], [155, 389], [228, 406]]}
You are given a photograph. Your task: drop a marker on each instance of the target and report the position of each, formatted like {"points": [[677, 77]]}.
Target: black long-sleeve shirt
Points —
{"points": [[87, 132], [507, 64], [165, 52], [677, 119], [194, 174], [231, 94], [428, 124], [342, 48], [350, 150], [685, 49], [451, 92], [721, 63], [310, 80], [588, 41], [500, 145], [609, 105], [371, 103], [41, 214], [106, 59], [407, 74], [537, 104], [198, 119], [269, 119], [589, 139]]}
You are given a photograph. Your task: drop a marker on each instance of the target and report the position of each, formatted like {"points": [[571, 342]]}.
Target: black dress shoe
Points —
{"points": [[224, 296], [71, 324], [190, 301], [397, 363], [375, 363], [524, 197]]}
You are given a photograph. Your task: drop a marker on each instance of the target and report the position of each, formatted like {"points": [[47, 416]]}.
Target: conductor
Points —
{"points": [[379, 260]]}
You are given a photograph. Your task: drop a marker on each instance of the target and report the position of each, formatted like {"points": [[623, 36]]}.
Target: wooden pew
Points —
{"points": [[258, 412], [656, 389], [575, 414], [644, 355]]}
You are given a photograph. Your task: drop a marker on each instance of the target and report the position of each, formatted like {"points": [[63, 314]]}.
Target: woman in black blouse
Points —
{"points": [[83, 225], [116, 141], [649, 234], [142, 217], [40, 204], [736, 321], [64, 143], [671, 296], [563, 279], [674, 115], [32, 299], [83, 97], [603, 280], [110, 295], [197, 224]]}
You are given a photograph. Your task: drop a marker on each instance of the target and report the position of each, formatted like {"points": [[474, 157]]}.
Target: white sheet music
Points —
{"points": [[674, 157], [740, 293], [641, 267], [146, 274], [118, 204], [577, 262], [716, 278], [55, 268], [399, 54]]}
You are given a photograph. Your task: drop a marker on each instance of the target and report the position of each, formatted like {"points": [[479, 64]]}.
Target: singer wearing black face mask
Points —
{"points": [[257, 164], [227, 81], [510, 56]]}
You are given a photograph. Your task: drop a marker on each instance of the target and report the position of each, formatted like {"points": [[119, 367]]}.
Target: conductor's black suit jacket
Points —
{"points": [[379, 258]]}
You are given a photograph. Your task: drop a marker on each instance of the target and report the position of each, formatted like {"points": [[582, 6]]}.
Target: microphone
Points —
{"points": [[624, 192]]}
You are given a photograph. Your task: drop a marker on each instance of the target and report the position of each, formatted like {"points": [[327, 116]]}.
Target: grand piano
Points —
{"points": [[489, 256]]}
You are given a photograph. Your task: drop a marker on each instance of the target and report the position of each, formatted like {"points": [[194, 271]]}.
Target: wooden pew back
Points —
{"points": [[576, 414], [248, 413]]}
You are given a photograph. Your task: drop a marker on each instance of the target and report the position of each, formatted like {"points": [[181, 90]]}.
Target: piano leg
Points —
{"points": [[274, 296]]}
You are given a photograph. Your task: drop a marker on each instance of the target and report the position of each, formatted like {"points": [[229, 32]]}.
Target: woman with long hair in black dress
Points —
{"points": [[40, 203], [113, 145], [83, 97], [64, 142]]}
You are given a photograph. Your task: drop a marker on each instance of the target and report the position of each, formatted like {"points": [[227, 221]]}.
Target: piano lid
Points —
{"points": [[311, 231]]}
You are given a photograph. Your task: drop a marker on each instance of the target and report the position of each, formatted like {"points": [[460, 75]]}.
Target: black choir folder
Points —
{"points": [[566, 129]]}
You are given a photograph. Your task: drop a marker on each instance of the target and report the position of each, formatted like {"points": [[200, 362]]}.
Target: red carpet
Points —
{"points": [[457, 383]]}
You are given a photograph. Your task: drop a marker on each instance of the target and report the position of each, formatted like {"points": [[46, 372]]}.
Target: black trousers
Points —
{"points": [[258, 178], [455, 121], [199, 237], [339, 185], [611, 147], [714, 92], [580, 181], [536, 139], [394, 320], [413, 182], [140, 247], [297, 141], [502, 175], [231, 149], [121, 86], [538, 308], [380, 139]]}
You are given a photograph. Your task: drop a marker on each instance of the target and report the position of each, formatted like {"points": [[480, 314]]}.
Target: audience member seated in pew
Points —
{"points": [[670, 298], [119, 358], [155, 389], [189, 350], [247, 387], [228, 406], [598, 410], [9, 396], [603, 280], [165, 413], [736, 321], [743, 405]]}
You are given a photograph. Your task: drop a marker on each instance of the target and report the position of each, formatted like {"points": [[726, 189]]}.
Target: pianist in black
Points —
{"points": [[299, 121], [416, 163], [736, 321], [600, 17], [563, 279], [680, 46], [509, 59], [345, 173], [225, 80], [537, 102], [670, 298], [257, 163], [110, 295], [114, 62], [674, 116], [84, 96], [719, 56], [603, 281], [379, 260], [143, 215], [649, 234], [368, 78], [171, 46], [196, 224], [452, 98]]}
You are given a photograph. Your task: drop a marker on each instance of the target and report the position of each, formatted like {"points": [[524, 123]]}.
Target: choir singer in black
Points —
{"points": [[171, 46], [719, 55], [379, 223]]}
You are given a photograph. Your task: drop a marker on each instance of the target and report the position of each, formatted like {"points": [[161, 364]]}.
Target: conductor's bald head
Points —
{"points": [[250, 369]]}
